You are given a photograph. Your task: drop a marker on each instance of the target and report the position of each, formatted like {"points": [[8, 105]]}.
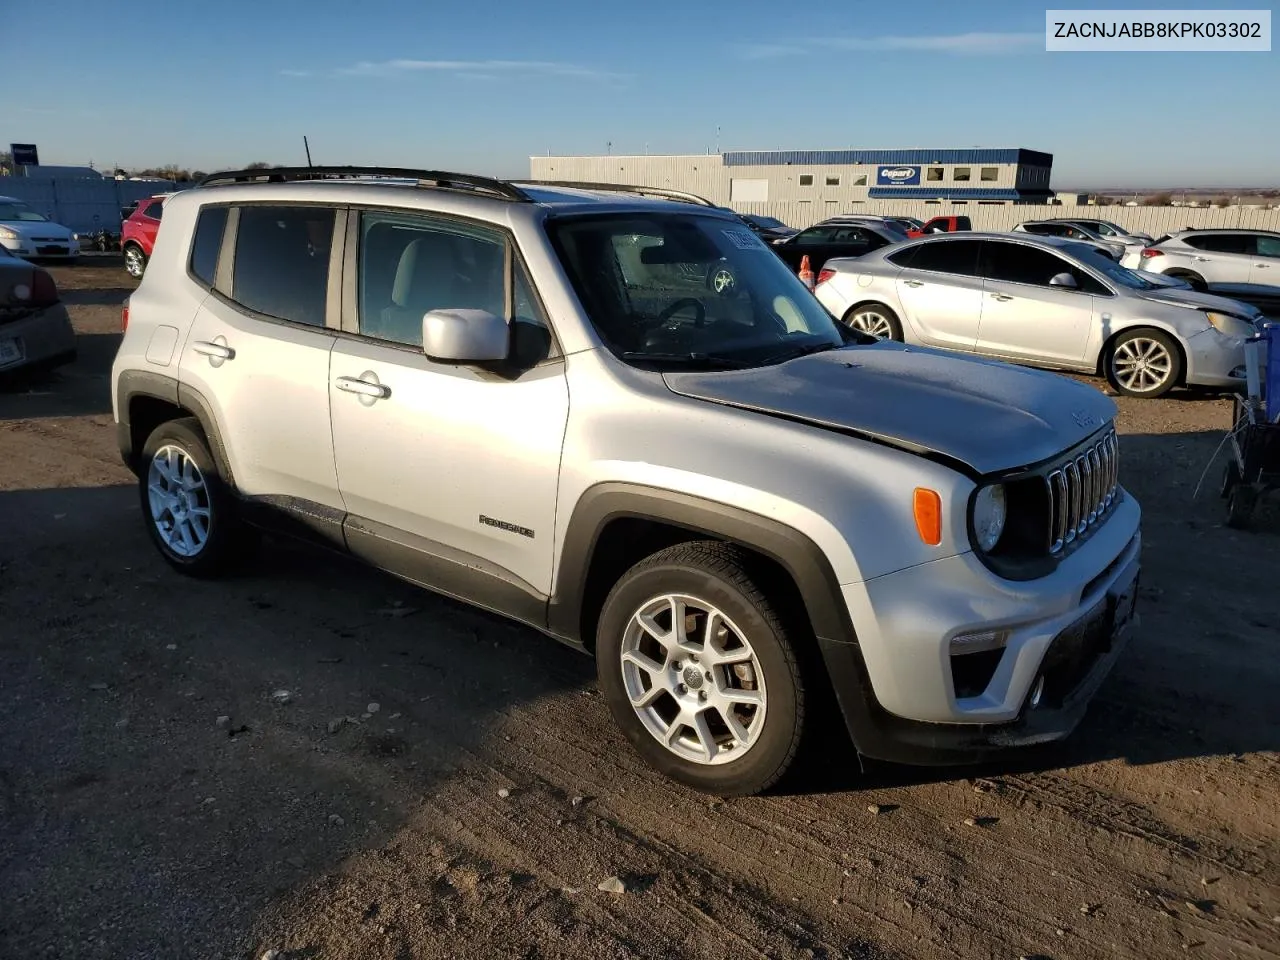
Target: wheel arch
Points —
{"points": [[144, 400], [1108, 344]]}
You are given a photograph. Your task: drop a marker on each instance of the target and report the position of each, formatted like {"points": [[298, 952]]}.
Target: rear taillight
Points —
{"points": [[124, 317], [824, 275], [1148, 253], [44, 292]]}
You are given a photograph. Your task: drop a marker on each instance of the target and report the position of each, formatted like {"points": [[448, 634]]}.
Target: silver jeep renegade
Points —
{"points": [[614, 414]]}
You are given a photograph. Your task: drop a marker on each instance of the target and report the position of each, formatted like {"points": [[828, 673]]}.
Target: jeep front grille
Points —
{"points": [[1082, 490]]}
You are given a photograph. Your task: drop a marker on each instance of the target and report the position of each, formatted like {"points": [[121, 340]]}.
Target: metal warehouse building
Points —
{"points": [[831, 180]]}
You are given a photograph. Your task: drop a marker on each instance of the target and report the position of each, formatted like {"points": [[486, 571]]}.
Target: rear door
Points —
{"points": [[1023, 317], [1266, 264], [940, 290], [815, 243], [1222, 257]]}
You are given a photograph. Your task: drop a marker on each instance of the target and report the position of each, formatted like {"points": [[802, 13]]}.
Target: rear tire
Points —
{"points": [[190, 513], [875, 319], [135, 261], [699, 671]]}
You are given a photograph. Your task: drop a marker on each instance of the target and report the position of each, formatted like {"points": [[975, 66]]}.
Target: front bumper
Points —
{"points": [[29, 249], [1064, 634], [1215, 360], [42, 339]]}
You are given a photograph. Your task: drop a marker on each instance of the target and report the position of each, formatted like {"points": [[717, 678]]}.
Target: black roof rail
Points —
{"points": [[432, 178], [660, 192]]}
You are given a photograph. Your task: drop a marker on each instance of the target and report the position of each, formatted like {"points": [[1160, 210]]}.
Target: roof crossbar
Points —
{"points": [[438, 179]]}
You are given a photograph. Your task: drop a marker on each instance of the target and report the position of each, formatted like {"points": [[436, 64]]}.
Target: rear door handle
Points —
{"points": [[219, 351], [1201, 259], [914, 283], [363, 388], [1001, 296], [1262, 266]]}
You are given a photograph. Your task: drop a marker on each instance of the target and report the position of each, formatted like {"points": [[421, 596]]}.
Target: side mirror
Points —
{"points": [[1064, 279], [465, 336]]}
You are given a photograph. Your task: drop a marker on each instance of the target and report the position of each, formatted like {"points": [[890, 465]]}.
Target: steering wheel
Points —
{"points": [[699, 320]]}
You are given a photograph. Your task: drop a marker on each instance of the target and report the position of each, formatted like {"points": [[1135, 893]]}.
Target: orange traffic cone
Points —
{"points": [[806, 272]]}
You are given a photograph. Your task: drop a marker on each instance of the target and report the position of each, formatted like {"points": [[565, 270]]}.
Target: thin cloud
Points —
{"points": [[474, 68], [975, 44], [295, 73]]}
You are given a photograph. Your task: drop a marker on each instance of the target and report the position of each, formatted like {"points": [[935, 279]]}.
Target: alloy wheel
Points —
{"points": [[1142, 364], [872, 322], [693, 679], [133, 262], [179, 500]]}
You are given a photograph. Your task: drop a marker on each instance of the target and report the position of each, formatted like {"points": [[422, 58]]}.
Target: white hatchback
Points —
{"points": [[1046, 302]]}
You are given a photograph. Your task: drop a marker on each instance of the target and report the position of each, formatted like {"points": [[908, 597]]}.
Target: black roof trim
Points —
{"points": [[435, 179]]}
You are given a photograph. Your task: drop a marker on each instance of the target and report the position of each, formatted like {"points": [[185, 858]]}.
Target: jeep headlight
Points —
{"points": [[1229, 325], [7, 234], [989, 514]]}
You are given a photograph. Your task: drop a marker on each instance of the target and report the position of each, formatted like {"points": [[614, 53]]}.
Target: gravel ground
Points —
{"points": [[316, 759]]}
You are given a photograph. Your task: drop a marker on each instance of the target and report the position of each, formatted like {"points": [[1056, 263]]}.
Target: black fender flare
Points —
{"points": [[132, 384]]}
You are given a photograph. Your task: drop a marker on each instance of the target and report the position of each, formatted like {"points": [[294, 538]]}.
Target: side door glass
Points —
{"points": [[940, 290]]}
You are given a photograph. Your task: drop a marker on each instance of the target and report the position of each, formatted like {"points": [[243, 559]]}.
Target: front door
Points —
{"points": [[449, 472], [1227, 258], [940, 290], [258, 348], [1266, 264], [1026, 318]]}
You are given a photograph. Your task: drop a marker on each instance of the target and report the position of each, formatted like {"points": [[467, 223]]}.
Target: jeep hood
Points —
{"points": [[988, 416]]}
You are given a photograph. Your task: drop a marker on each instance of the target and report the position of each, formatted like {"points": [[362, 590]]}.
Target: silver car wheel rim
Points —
{"points": [[876, 324], [1142, 364], [721, 281], [179, 500], [133, 262], [693, 679]]}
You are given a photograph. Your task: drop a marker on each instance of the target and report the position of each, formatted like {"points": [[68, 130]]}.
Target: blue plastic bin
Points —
{"points": [[1272, 386]]}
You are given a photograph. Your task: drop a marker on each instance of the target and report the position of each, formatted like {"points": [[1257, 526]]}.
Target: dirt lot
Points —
{"points": [[132, 825]]}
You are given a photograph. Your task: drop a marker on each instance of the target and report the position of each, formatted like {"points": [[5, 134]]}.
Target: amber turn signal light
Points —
{"points": [[928, 510]]}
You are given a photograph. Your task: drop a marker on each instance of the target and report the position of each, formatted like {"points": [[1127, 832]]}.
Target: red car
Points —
{"points": [[942, 225], [138, 233]]}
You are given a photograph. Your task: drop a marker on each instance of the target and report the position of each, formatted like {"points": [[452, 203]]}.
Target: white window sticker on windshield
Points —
{"points": [[744, 239]]}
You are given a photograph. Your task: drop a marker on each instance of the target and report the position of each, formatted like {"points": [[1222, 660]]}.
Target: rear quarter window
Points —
{"points": [[206, 243]]}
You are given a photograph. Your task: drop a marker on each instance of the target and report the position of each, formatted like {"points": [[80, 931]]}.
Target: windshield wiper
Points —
{"points": [[710, 360], [793, 353]]}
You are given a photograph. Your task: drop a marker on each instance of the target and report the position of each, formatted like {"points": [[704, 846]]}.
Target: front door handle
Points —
{"points": [[914, 283], [1001, 296], [1201, 259], [363, 388], [217, 351], [1262, 266]]}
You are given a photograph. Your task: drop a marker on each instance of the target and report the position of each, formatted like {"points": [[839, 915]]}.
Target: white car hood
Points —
{"points": [[37, 228], [1193, 300]]}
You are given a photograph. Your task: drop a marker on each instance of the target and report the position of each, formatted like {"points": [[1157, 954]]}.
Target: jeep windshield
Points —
{"points": [[681, 290]]}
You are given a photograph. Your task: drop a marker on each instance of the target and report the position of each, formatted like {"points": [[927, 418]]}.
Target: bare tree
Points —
{"points": [[1158, 200], [6, 163], [258, 165]]}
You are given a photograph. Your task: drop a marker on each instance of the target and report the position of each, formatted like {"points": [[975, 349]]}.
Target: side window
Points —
{"points": [[409, 266], [990, 174], [531, 337], [1268, 246], [282, 261], [960, 173], [806, 179], [958, 257], [903, 257], [207, 242], [154, 210], [1020, 263], [1221, 242], [815, 235]]}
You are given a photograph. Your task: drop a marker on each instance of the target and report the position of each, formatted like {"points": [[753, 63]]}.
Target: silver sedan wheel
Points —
{"points": [[721, 280], [1142, 364], [873, 322], [179, 499], [134, 262], [693, 679]]}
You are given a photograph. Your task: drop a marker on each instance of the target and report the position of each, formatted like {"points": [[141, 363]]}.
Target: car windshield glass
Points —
{"points": [[768, 223], [1099, 261], [14, 211], [659, 286]]}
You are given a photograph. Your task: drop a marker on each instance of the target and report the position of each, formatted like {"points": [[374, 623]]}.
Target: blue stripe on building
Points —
{"points": [[767, 158], [956, 193]]}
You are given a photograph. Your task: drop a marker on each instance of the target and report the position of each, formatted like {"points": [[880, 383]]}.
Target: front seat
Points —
{"points": [[425, 280]]}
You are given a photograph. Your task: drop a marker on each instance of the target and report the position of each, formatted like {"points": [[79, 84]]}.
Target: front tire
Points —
{"points": [[189, 512], [135, 261], [1196, 281], [875, 319], [699, 671], [1144, 363]]}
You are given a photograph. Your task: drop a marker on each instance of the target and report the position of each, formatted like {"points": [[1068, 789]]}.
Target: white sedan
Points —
{"points": [[1045, 302], [27, 233]]}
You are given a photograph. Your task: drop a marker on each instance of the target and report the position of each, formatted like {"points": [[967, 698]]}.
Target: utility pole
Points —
{"points": [[307, 147]]}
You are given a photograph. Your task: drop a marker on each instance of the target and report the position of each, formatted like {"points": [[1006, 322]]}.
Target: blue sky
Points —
{"points": [[482, 86]]}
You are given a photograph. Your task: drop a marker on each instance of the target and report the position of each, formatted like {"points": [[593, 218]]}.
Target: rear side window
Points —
{"points": [[1221, 242], [903, 257], [1269, 247], [959, 257], [282, 262], [154, 210], [206, 243]]}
